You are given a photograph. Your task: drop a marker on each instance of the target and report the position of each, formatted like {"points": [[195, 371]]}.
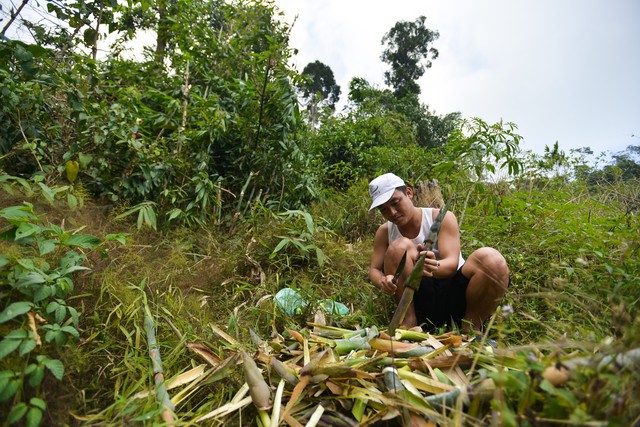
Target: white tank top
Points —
{"points": [[427, 221]]}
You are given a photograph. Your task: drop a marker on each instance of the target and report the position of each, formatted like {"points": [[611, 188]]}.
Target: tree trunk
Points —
{"points": [[163, 34]]}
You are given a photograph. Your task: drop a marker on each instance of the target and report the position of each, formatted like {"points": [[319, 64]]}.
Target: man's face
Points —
{"points": [[398, 208]]}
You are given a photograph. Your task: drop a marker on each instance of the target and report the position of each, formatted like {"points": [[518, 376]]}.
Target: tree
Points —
{"points": [[429, 130], [408, 44], [206, 136], [319, 88]]}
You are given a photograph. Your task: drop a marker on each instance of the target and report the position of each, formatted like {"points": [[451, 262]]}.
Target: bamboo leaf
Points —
{"points": [[225, 409]]}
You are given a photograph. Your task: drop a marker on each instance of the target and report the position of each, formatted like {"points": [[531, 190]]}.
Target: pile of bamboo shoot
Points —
{"points": [[324, 375]]}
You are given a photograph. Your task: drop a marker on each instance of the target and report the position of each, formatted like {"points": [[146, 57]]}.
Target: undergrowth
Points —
{"points": [[574, 267]]}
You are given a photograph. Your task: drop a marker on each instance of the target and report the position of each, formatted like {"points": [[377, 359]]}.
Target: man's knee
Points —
{"points": [[488, 262], [398, 247], [395, 251]]}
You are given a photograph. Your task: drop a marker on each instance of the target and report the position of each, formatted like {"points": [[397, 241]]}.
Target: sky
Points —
{"points": [[561, 70]]}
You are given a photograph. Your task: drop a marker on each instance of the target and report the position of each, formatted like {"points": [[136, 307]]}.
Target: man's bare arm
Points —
{"points": [[380, 245], [448, 247]]}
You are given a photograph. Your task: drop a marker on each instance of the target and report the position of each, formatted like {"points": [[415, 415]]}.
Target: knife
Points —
{"points": [[413, 282], [400, 268]]}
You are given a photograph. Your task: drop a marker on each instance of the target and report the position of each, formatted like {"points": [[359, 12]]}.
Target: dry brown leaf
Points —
{"points": [[33, 327], [204, 352]]}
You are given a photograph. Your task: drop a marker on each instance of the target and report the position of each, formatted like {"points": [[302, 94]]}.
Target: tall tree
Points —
{"points": [[409, 52], [319, 88]]}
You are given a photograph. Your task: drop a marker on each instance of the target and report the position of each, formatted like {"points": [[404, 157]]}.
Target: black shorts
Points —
{"points": [[440, 302]]}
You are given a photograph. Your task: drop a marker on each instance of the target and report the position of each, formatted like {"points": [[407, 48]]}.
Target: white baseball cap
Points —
{"points": [[381, 189]]}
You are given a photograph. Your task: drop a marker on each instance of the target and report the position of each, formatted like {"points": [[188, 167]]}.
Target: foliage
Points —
{"points": [[319, 85], [625, 166], [299, 243], [478, 149], [407, 44], [201, 138], [190, 139], [37, 268]]}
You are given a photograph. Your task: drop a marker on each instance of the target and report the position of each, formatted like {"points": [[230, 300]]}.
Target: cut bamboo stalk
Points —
{"points": [[241, 393], [315, 417], [277, 402], [305, 349], [162, 396]]}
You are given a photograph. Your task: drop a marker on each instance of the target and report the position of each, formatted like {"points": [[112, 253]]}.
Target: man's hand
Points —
{"points": [[431, 263], [387, 286]]}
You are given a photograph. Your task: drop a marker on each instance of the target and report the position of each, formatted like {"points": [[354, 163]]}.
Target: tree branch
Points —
{"points": [[14, 16]]}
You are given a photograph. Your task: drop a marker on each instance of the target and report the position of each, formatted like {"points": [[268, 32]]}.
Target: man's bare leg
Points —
{"points": [[488, 276]]}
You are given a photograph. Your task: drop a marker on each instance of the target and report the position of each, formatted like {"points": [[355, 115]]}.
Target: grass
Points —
{"points": [[573, 256]]}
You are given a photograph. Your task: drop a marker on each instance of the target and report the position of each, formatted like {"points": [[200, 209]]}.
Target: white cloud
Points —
{"points": [[561, 70]]}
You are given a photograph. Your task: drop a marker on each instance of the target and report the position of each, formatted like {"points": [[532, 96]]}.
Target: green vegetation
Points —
{"points": [[151, 210]]}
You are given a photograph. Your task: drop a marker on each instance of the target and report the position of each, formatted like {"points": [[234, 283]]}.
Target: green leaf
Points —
{"points": [[84, 241], [52, 306], [17, 412], [27, 263], [74, 315], [55, 367], [72, 258], [283, 243], [61, 312], [27, 346], [47, 192], [26, 229], [17, 334], [320, 256], [22, 54], [32, 278], [309, 222], [34, 417], [72, 201], [43, 293], [16, 214], [46, 246], [90, 36], [38, 403], [36, 377], [56, 335], [36, 50], [119, 237], [84, 160], [151, 217], [10, 389], [174, 213], [71, 269], [15, 309], [71, 331], [7, 346]]}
